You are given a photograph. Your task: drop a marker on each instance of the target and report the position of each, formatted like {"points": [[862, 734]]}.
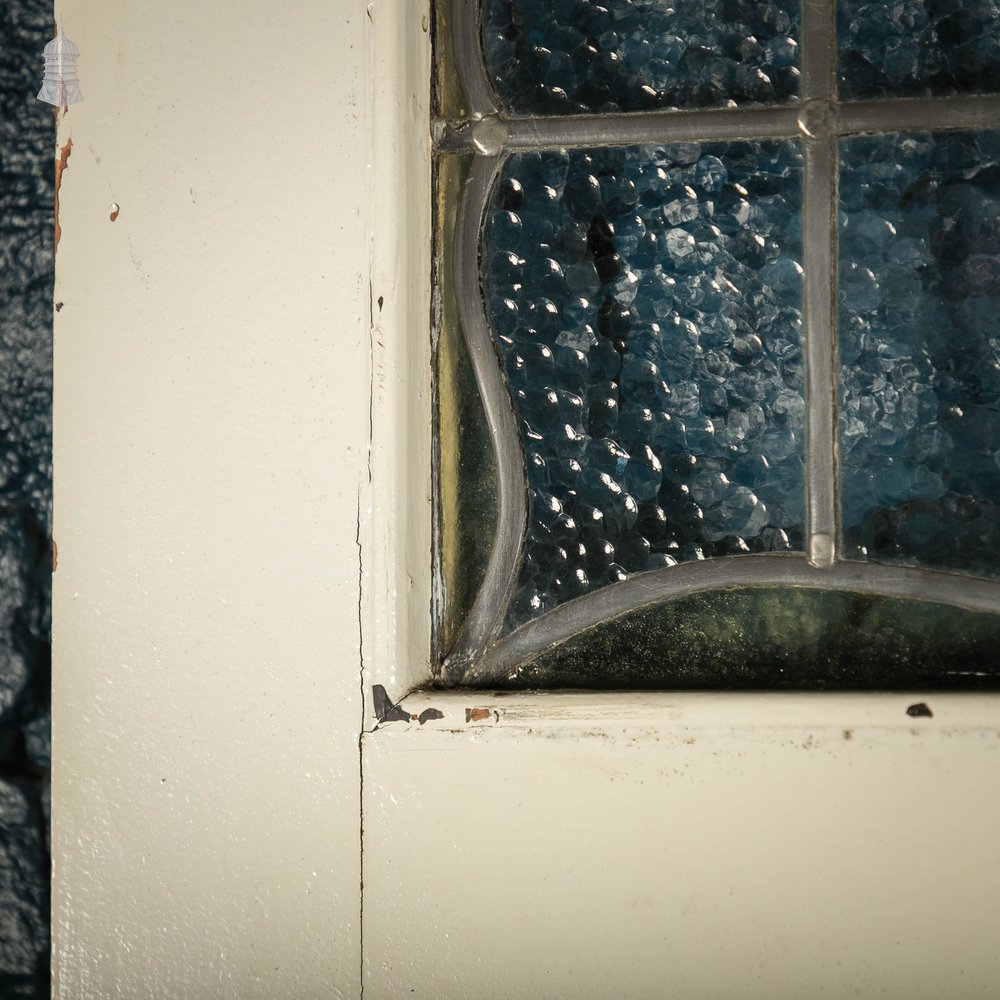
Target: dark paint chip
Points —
{"points": [[386, 711]]}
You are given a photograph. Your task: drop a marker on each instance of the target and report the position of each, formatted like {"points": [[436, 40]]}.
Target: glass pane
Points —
{"points": [[571, 56], [918, 49], [772, 638], [920, 348], [647, 308], [466, 507]]}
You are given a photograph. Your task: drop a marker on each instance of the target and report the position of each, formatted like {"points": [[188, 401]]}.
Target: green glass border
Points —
{"points": [[465, 466], [773, 638]]}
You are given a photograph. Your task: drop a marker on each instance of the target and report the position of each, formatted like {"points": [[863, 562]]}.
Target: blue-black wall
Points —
{"points": [[27, 143]]}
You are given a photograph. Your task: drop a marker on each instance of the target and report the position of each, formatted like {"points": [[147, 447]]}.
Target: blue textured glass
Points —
{"points": [[919, 294], [570, 56], [647, 308], [918, 48]]}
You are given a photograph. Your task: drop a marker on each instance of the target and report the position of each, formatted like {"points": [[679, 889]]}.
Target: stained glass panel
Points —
{"points": [[647, 306], [918, 48], [920, 348], [573, 56], [773, 638], [734, 427], [466, 511]]}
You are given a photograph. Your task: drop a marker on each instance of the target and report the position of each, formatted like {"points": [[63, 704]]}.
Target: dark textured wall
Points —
{"points": [[27, 142]]}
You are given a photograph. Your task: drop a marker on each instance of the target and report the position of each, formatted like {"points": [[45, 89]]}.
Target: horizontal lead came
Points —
{"points": [[630, 129], [919, 114], [637, 128], [666, 126]]}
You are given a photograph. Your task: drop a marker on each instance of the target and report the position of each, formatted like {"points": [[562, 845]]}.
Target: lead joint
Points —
{"points": [[821, 551], [489, 135], [817, 119]]}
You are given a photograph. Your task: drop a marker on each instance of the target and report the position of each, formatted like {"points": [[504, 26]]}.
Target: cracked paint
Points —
{"points": [[361, 737], [361, 628]]}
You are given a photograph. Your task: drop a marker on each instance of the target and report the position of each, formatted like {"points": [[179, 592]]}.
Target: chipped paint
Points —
{"points": [[805, 721], [386, 711], [61, 164], [55, 556], [113, 214]]}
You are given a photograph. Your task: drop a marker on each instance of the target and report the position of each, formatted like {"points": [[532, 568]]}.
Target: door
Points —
{"points": [[242, 467]]}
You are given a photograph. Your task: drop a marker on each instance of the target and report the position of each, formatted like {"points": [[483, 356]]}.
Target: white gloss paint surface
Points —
{"points": [[396, 515], [242, 514], [214, 489], [683, 846]]}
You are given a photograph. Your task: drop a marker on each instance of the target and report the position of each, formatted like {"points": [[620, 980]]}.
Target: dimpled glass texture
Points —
{"points": [[646, 304], [574, 56], [918, 48], [920, 349]]}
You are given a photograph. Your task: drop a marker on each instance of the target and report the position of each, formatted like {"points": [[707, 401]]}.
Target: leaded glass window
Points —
{"points": [[718, 355]]}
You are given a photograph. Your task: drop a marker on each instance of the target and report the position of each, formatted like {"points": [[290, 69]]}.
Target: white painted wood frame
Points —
{"points": [[243, 514]]}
